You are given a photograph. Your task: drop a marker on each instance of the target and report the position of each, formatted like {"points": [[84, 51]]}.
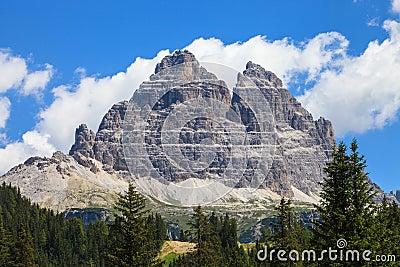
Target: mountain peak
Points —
{"points": [[181, 66], [178, 57], [262, 76]]}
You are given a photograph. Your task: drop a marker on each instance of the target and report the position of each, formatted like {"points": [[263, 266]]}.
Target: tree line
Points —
{"points": [[351, 219], [33, 236]]}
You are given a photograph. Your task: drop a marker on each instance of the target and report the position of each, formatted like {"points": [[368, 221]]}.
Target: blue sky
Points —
{"points": [[67, 62]]}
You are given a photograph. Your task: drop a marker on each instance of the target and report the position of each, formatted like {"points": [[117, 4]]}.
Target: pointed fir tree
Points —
{"points": [[208, 243], [362, 204], [5, 245], [23, 253], [347, 206], [130, 244], [287, 231], [335, 199], [386, 229]]}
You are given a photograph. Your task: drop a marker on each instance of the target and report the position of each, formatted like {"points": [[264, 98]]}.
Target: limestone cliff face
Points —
{"points": [[107, 144], [302, 144]]}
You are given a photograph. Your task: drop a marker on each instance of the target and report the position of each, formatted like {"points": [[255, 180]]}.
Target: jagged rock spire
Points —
{"points": [[178, 57], [263, 77]]}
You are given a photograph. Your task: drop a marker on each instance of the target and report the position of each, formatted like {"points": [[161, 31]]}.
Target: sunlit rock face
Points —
{"points": [[298, 146]]}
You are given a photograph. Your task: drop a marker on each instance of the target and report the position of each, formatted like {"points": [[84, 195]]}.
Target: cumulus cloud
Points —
{"points": [[36, 81], [365, 93], [283, 57], [396, 6], [32, 144], [5, 106], [14, 74], [86, 102], [12, 71], [92, 97]]}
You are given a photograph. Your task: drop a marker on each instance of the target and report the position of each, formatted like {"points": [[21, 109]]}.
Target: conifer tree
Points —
{"points": [[182, 236], [23, 253], [347, 204], [335, 199], [386, 229], [287, 231], [362, 208], [130, 243], [5, 245], [208, 249]]}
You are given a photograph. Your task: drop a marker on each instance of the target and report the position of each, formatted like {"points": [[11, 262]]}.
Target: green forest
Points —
{"points": [[349, 212]]}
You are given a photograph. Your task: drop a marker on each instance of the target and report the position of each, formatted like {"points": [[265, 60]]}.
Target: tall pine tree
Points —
{"points": [[23, 253], [5, 245], [288, 231], [130, 244], [347, 206]]}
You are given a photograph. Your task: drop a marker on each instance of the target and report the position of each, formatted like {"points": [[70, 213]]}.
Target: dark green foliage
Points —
{"points": [[347, 208], [288, 232], [5, 245], [216, 242], [32, 236], [38, 237], [23, 253], [385, 239], [134, 238], [183, 237]]}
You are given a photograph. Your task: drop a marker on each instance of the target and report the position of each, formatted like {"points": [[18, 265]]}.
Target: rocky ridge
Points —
{"points": [[303, 145], [60, 182]]}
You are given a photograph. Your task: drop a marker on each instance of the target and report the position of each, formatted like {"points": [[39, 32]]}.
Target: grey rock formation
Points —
{"points": [[104, 146], [398, 195], [302, 144], [84, 141], [82, 150], [107, 146], [261, 77]]}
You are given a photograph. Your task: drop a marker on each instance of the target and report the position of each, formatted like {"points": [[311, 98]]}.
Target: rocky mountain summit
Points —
{"points": [[302, 144], [97, 165]]}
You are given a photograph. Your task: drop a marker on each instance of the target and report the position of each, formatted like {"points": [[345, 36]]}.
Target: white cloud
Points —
{"points": [[92, 97], [12, 71], [5, 106], [85, 103], [396, 6], [365, 94], [14, 74], [32, 144], [283, 57], [36, 81], [88, 101]]}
